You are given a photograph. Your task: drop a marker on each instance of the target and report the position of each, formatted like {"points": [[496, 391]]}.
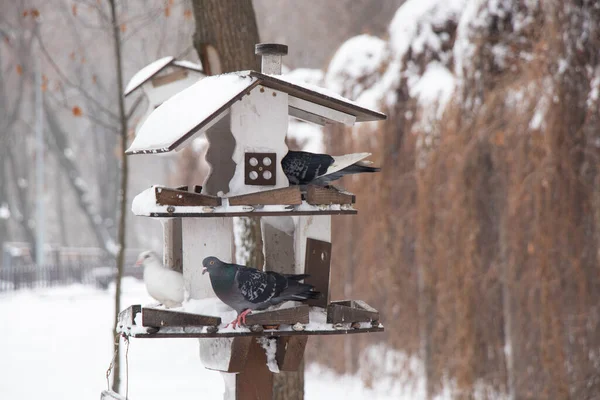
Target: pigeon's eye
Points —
{"points": [[211, 263]]}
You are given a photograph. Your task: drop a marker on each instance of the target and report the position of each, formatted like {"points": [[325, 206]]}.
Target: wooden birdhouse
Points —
{"points": [[163, 78], [244, 116]]}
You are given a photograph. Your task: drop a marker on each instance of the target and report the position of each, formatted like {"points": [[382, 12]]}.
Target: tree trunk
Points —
{"points": [[225, 36], [124, 180], [226, 33]]}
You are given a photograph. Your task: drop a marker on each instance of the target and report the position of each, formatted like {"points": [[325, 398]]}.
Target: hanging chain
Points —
{"points": [[112, 362]]}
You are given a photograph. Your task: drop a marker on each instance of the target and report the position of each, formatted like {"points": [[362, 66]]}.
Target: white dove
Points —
{"points": [[163, 284]]}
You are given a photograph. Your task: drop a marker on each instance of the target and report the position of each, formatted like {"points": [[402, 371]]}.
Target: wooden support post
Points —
{"points": [[172, 250], [255, 381]]}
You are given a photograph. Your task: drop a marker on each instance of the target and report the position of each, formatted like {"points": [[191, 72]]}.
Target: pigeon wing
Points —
{"points": [[301, 167], [256, 286]]}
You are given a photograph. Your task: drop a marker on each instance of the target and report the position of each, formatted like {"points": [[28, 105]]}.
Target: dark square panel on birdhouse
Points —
{"points": [[317, 264], [260, 169]]}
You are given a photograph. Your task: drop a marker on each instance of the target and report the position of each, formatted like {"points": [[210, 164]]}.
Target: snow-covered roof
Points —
{"points": [[197, 108], [146, 73]]}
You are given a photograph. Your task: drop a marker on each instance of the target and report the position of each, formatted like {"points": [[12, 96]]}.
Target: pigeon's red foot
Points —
{"points": [[242, 316], [240, 320]]}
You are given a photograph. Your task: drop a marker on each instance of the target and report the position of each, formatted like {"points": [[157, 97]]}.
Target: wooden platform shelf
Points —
{"points": [[254, 213], [160, 323], [163, 202], [351, 311]]}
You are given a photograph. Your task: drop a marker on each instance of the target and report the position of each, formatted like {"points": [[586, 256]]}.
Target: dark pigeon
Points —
{"points": [[304, 168], [245, 289]]}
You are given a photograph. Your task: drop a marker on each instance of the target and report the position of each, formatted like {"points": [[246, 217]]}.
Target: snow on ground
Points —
{"points": [[56, 344]]}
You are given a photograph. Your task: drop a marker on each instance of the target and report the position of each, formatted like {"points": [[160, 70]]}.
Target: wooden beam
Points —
{"points": [[350, 311], [174, 197], [286, 196], [290, 352], [284, 316], [328, 195], [317, 265], [159, 318]]}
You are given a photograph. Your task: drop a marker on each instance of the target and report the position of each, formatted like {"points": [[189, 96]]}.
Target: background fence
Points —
{"points": [[65, 266]]}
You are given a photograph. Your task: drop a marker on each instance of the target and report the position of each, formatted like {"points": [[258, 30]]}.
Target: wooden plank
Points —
{"points": [[350, 311], [290, 352], [328, 195], [110, 395], [176, 75], [256, 213], [158, 318], [317, 265], [127, 316], [179, 333], [285, 196], [255, 382], [174, 197], [285, 316]]}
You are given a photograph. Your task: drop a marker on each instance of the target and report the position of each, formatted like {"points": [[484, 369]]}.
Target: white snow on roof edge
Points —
{"points": [[183, 112]]}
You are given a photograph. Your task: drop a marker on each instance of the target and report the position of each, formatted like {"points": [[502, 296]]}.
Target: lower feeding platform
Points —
{"points": [[149, 322]]}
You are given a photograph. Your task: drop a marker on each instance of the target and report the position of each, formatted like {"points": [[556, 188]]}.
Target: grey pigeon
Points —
{"points": [[163, 284], [304, 168], [245, 289]]}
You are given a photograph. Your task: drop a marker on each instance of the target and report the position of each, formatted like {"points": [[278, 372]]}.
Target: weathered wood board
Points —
{"points": [[350, 311], [328, 195], [174, 197], [284, 316], [286, 196], [157, 318]]}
